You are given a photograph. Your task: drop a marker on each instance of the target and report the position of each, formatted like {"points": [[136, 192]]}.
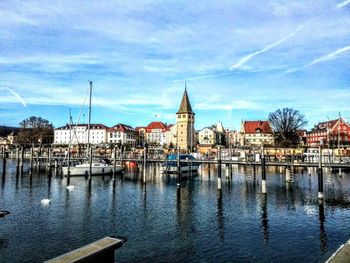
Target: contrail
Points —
{"points": [[17, 96], [342, 4], [329, 56], [245, 59]]}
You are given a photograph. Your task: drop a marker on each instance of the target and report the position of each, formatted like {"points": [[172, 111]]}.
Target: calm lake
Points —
{"points": [[196, 223]]}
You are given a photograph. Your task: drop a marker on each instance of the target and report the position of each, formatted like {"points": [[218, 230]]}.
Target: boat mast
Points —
{"points": [[88, 140]]}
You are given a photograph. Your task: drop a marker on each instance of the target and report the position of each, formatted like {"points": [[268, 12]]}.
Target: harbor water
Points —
{"points": [[195, 223]]}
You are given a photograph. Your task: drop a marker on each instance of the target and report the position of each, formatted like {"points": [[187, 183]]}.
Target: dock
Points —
{"points": [[342, 255], [99, 251]]}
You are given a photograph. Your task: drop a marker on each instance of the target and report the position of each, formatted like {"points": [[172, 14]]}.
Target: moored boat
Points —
{"points": [[186, 164], [98, 167]]}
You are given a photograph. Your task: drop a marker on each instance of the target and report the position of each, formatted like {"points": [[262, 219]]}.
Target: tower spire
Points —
{"points": [[185, 106]]}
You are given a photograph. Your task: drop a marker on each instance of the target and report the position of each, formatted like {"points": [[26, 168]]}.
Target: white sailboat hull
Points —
{"points": [[96, 169]]}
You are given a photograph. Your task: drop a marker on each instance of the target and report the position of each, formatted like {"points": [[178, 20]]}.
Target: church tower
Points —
{"points": [[185, 125]]}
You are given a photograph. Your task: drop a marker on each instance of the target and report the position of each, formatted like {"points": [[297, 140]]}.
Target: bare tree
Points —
{"points": [[285, 123], [35, 130]]}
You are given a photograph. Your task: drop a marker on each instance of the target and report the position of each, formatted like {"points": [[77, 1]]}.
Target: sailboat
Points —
{"points": [[98, 166]]}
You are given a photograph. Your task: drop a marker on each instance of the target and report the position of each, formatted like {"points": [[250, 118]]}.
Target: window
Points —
{"points": [[184, 116]]}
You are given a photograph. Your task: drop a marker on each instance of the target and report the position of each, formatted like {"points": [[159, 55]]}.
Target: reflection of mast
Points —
{"points": [[323, 235], [264, 218], [220, 216]]}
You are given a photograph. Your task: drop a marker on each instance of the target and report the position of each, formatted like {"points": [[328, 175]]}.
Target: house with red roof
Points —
{"points": [[333, 133], [157, 133], [257, 133], [123, 134]]}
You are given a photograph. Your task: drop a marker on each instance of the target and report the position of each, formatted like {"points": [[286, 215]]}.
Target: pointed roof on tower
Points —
{"points": [[185, 106]]}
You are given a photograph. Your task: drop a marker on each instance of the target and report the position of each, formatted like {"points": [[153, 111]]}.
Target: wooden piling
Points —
{"points": [[263, 172], [288, 175], [49, 158], [320, 174], [68, 167], [178, 168], [144, 164], [31, 160], [90, 165], [3, 161], [21, 159], [114, 161], [219, 167], [17, 159]]}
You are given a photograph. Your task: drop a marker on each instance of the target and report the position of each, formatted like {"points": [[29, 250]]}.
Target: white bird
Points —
{"points": [[45, 201], [70, 187]]}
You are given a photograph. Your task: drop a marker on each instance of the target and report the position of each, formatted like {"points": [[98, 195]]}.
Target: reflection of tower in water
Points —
{"points": [[185, 226]]}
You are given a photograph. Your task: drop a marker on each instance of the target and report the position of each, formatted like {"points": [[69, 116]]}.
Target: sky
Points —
{"points": [[240, 60]]}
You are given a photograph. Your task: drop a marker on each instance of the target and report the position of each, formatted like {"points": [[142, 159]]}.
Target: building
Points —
{"points": [[78, 134], [171, 135], [122, 134], [185, 125], [235, 138], [257, 133], [207, 136], [333, 133], [156, 133]]}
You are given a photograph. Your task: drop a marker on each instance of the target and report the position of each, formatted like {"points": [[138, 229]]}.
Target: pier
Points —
{"points": [[100, 251]]}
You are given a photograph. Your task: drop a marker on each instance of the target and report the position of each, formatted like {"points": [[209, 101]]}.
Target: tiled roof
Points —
{"points": [[253, 126], [185, 106], [156, 125], [122, 127], [92, 126]]}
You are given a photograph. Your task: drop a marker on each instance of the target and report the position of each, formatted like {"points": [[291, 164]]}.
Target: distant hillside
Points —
{"points": [[6, 130]]}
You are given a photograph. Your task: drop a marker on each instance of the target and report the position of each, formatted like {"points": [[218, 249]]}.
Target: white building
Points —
{"points": [[171, 135], [78, 134], [207, 136], [123, 134]]}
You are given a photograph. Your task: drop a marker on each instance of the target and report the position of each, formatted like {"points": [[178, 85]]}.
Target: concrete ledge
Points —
{"points": [[342, 255], [99, 251]]}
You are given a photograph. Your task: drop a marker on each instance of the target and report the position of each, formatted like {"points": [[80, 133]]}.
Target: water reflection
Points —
{"points": [[220, 215], [264, 218], [196, 218], [323, 234]]}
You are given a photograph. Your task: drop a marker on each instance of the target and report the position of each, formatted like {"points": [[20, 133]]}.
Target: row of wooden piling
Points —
{"points": [[36, 163]]}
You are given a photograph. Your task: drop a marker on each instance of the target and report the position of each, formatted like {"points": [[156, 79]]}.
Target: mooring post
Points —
{"points": [[68, 167], [263, 172], [320, 174], [31, 160], [178, 168], [219, 167], [114, 161], [90, 165], [17, 159], [21, 159], [144, 164], [56, 164], [3, 161], [287, 175], [49, 158], [227, 171]]}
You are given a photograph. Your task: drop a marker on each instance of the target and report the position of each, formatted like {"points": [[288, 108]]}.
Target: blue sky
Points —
{"points": [[241, 60]]}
